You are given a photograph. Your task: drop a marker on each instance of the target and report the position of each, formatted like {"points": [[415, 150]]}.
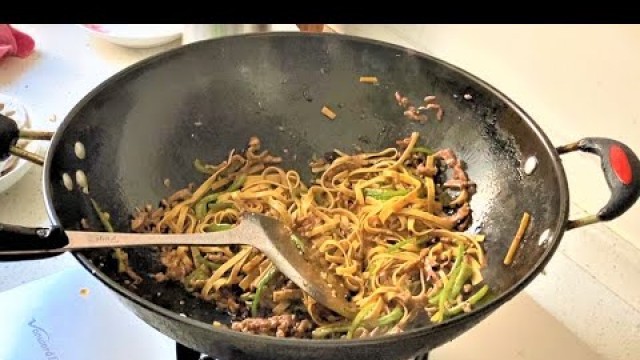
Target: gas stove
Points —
{"points": [[184, 353]]}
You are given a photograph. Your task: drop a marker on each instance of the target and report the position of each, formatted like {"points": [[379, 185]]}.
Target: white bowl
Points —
{"points": [[20, 170], [135, 35], [13, 109]]}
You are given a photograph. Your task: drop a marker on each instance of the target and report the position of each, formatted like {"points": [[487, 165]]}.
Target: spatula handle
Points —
{"points": [[25, 243]]}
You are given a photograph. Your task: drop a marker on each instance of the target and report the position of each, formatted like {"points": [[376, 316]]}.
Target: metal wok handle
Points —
{"points": [[621, 169], [13, 237], [9, 135]]}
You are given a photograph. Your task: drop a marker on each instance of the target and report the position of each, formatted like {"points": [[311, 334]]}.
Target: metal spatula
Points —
{"points": [[262, 232]]}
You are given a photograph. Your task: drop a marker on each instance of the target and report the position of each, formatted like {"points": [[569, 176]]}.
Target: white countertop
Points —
{"points": [[68, 64]]}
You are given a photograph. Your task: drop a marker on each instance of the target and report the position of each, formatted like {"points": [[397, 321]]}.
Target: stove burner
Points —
{"points": [[184, 353]]}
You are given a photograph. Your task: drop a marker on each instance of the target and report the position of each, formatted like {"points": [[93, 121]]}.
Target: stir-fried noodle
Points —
{"points": [[386, 225]]}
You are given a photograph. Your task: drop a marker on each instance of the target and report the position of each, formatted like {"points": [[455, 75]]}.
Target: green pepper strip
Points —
{"points": [[422, 149], [201, 260], [299, 243], [217, 227], [197, 257], [389, 319], [118, 253], [201, 273], [383, 194], [324, 331], [237, 183], [444, 294], [472, 300], [358, 319], [397, 246], [201, 205], [463, 275], [219, 206], [435, 298], [103, 219], [261, 286], [392, 317], [202, 167], [212, 266]]}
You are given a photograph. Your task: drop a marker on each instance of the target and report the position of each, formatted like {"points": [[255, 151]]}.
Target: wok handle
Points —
{"points": [[17, 238], [13, 237], [9, 135], [621, 169]]}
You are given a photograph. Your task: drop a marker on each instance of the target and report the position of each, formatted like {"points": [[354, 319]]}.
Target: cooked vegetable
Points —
{"points": [[515, 243], [268, 276]]}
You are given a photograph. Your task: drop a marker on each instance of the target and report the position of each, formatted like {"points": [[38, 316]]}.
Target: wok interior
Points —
{"points": [[150, 123]]}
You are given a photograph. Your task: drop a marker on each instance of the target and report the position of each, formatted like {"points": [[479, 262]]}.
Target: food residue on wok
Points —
{"points": [[418, 113], [369, 79], [515, 243], [328, 113]]}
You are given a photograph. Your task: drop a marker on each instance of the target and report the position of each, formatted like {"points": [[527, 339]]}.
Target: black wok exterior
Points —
{"points": [[150, 121]]}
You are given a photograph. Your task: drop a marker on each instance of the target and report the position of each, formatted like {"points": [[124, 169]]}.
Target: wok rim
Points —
{"points": [[486, 309]]}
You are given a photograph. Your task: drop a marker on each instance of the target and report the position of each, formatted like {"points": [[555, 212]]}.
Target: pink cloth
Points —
{"points": [[14, 42]]}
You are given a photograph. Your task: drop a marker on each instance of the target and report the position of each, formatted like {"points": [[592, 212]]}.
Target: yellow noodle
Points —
{"points": [[379, 248]]}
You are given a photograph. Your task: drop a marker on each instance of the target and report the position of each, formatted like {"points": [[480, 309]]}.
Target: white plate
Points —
{"points": [[22, 115], [136, 35]]}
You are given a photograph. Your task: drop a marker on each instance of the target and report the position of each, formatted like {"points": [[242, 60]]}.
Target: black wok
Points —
{"points": [[150, 121]]}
